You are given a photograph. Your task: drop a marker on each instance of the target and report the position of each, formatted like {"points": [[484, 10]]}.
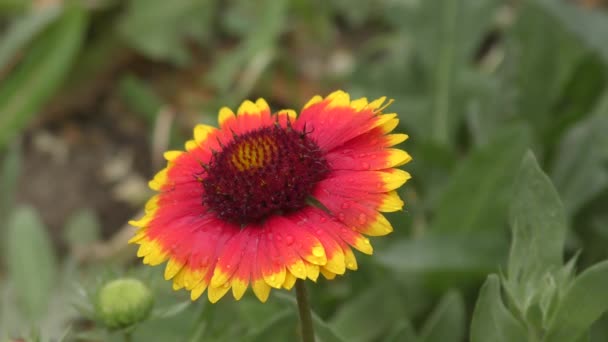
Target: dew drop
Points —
{"points": [[365, 165], [345, 205], [350, 265], [341, 216], [279, 238], [323, 219], [319, 231], [289, 240], [362, 218]]}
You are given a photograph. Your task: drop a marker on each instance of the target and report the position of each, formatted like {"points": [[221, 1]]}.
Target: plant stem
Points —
{"points": [[308, 334]]}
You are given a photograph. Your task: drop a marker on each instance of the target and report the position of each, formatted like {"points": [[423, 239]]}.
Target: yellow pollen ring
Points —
{"points": [[253, 154]]}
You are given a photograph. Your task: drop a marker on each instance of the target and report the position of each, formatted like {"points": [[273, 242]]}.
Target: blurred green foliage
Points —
{"points": [[476, 84]]}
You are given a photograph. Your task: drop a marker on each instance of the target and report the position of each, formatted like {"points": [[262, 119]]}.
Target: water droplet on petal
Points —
{"points": [[289, 240], [365, 165], [323, 219], [362, 218], [345, 205], [341, 216], [350, 265], [319, 231], [279, 238]]}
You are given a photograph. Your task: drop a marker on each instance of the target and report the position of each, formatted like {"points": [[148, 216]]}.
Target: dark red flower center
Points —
{"points": [[271, 170]]}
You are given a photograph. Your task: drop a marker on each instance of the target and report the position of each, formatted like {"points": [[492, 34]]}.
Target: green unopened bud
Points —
{"points": [[124, 302]]}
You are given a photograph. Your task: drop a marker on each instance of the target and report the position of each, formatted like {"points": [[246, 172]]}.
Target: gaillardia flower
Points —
{"points": [[267, 199]]}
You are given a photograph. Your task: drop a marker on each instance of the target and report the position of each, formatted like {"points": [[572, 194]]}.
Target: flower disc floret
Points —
{"points": [[271, 170]]}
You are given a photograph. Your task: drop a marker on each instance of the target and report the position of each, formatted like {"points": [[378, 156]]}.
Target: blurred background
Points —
{"points": [[93, 91]]}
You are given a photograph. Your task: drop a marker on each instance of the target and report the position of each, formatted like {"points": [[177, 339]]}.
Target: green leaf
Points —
{"points": [[403, 332], [273, 326], [465, 253], [140, 97], [582, 304], [538, 223], [590, 26], [580, 177], [491, 319], [447, 321], [356, 320], [257, 46], [30, 261], [23, 30], [452, 40], [323, 331], [541, 58], [82, 228], [159, 28], [9, 175], [479, 190], [36, 79], [10, 6]]}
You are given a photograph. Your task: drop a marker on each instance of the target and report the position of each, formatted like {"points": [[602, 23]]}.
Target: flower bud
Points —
{"points": [[124, 302]]}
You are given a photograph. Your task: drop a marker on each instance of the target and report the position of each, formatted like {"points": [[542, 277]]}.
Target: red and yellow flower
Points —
{"points": [[267, 199]]}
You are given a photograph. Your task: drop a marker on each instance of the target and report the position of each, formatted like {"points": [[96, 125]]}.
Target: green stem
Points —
{"points": [[308, 334]]}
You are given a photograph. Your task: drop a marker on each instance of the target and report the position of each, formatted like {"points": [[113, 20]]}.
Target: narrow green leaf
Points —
{"points": [[30, 261], [158, 28], [23, 30], [259, 42], [538, 224], [82, 228], [539, 74], [590, 26], [447, 322], [449, 46], [355, 320], [403, 332], [491, 319], [479, 190], [9, 174], [140, 97], [582, 304], [466, 253], [580, 177], [41, 72], [271, 329]]}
